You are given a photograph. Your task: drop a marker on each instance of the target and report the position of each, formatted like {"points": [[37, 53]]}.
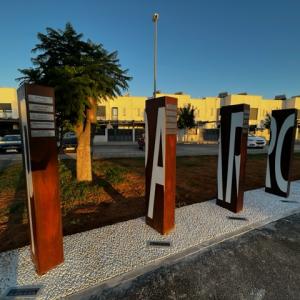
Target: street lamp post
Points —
{"points": [[155, 19]]}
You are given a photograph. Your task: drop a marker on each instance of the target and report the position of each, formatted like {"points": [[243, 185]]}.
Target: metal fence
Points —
{"points": [[119, 135]]}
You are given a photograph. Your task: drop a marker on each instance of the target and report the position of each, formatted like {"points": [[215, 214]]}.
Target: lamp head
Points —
{"points": [[155, 17]]}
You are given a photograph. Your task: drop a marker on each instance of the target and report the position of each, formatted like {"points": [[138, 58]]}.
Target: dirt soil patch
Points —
{"points": [[116, 193]]}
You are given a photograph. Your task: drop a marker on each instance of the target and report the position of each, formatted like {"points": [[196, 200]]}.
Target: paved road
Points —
{"points": [[182, 150], [261, 264], [131, 150]]}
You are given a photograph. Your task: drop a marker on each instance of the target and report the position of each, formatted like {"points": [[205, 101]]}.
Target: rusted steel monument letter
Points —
{"points": [[160, 160], [283, 129], [232, 156], [37, 123]]}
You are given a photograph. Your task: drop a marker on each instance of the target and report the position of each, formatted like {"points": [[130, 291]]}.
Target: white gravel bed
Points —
{"points": [[97, 255]]}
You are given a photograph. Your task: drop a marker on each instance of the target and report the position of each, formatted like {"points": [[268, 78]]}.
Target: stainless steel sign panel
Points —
{"points": [[41, 108], [39, 125], [40, 99], [42, 133], [41, 117]]}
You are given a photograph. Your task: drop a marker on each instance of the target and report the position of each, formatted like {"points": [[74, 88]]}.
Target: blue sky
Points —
{"points": [[204, 47]]}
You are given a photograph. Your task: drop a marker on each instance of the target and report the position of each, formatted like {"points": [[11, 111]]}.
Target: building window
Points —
{"points": [[101, 112], [124, 112], [139, 112], [211, 111], [253, 113], [5, 107], [114, 113], [5, 110]]}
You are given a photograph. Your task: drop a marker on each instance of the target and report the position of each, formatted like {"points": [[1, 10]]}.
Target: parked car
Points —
{"points": [[69, 142], [11, 142], [256, 141]]}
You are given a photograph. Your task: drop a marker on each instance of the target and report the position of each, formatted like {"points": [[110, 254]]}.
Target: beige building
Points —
{"points": [[128, 110], [9, 116], [259, 107], [124, 108], [8, 103], [131, 108]]}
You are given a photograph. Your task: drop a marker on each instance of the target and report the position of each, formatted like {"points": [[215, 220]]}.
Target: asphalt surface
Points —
{"points": [[131, 150], [260, 264]]}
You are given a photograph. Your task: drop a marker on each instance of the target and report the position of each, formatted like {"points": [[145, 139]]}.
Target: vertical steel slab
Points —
{"points": [[160, 161], [37, 123], [283, 130], [232, 156]]}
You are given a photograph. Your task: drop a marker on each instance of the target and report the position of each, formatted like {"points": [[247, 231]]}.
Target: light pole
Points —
{"points": [[155, 19]]}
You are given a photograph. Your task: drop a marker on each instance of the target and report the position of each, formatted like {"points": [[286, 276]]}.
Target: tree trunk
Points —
{"points": [[83, 162]]}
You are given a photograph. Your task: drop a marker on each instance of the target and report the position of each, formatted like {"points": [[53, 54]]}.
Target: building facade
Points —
{"points": [[131, 108], [128, 111], [9, 115]]}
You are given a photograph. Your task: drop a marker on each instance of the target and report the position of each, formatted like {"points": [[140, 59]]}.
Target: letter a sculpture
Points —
{"points": [[232, 156], [283, 129], [160, 160]]}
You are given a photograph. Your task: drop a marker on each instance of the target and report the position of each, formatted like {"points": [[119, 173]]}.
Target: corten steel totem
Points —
{"points": [[160, 160], [283, 130], [232, 156], [37, 123]]}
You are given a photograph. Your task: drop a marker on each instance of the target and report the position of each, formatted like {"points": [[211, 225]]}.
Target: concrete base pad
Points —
{"points": [[97, 255]]}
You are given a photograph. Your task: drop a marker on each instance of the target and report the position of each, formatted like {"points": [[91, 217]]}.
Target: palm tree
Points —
{"points": [[267, 121]]}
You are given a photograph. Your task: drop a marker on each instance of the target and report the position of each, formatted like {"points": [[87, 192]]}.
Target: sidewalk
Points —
{"points": [[261, 264], [128, 143]]}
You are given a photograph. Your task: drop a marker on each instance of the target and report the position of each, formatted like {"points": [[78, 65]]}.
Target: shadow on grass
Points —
{"points": [[196, 182], [90, 216], [70, 164], [108, 188]]}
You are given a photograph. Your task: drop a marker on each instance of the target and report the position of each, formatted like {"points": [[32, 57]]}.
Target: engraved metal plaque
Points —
{"points": [[42, 133], [159, 243], [40, 99], [45, 125], [41, 117], [40, 107], [171, 119], [23, 292]]}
